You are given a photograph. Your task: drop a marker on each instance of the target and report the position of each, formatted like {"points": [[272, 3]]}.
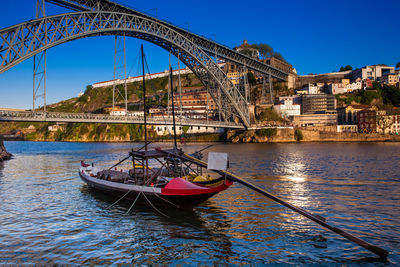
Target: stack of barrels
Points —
{"points": [[4, 155]]}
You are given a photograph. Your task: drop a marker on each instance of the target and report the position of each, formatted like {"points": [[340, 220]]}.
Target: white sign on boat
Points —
{"points": [[217, 161]]}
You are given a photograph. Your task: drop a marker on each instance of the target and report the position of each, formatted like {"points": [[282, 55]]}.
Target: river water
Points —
{"points": [[49, 216]]}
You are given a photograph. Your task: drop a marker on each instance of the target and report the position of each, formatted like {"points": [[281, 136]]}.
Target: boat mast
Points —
{"points": [[173, 106], [144, 101]]}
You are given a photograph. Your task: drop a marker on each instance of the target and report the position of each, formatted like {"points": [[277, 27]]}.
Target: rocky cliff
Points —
{"points": [[4, 155]]}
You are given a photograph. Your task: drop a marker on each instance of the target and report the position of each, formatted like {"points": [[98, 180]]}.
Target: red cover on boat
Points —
{"points": [[84, 165], [179, 186]]}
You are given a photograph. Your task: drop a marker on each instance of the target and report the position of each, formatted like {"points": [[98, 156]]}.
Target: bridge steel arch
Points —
{"points": [[24, 40], [210, 47]]}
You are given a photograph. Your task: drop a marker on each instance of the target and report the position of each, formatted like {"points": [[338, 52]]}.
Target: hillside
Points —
{"points": [[94, 100], [381, 95]]}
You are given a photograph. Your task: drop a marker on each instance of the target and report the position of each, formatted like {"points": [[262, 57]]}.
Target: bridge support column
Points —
{"points": [[271, 92], [120, 72], [39, 65]]}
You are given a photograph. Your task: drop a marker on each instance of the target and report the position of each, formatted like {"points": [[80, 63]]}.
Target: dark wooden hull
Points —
{"points": [[148, 195]]}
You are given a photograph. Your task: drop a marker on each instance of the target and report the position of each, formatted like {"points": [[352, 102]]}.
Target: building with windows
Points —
{"points": [[310, 120], [164, 130], [348, 115], [280, 64], [374, 72], [345, 87], [390, 79], [366, 121], [246, 49], [194, 102], [288, 106], [317, 103], [325, 78]]}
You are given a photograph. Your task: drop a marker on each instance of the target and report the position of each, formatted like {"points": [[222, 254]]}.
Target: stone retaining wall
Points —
{"points": [[288, 135]]}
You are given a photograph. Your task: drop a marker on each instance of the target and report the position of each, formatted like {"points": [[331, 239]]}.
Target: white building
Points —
{"points": [[341, 88], [118, 112], [288, 106], [168, 130], [374, 72], [165, 73], [311, 89]]}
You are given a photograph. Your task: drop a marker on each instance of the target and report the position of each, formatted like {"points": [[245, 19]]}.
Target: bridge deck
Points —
{"points": [[7, 115]]}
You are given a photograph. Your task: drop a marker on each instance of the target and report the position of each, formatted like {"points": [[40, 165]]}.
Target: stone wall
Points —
{"points": [[288, 135]]}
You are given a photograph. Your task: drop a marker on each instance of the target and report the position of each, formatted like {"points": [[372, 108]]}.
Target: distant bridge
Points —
{"points": [[29, 116]]}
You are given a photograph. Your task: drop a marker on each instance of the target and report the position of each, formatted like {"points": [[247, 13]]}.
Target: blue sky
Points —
{"points": [[314, 36]]}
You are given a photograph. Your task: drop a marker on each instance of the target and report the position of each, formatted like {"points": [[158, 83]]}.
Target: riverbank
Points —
{"points": [[80, 132], [304, 135]]}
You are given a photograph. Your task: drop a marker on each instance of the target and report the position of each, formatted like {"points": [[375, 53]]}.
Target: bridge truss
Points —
{"points": [[25, 40], [28, 39], [210, 47], [9, 115]]}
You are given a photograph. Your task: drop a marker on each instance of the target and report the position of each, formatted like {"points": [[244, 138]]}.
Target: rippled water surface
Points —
{"points": [[49, 216]]}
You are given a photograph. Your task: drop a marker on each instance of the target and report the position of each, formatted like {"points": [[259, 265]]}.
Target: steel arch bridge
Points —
{"points": [[22, 41], [210, 47], [25, 40]]}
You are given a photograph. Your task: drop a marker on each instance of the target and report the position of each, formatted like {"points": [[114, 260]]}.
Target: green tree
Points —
{"points": [[346, 68], [268, 132], [246, 51], [251, 78], [298, 135], [398, 65], [265, 50], [185, 129], [279, 56]]}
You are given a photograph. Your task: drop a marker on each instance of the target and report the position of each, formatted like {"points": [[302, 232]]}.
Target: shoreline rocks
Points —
{"points": [[4, 155]]}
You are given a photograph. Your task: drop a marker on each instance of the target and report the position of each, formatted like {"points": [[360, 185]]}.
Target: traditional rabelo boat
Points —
{"points": [[175, 183], [179, 180]]}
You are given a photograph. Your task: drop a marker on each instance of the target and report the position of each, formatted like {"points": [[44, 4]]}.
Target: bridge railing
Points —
{"points": [[105, 118]]}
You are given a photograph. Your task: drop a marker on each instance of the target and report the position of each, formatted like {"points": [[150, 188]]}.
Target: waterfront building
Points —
{"points": [[317, 103], [288, 106], [164, 130], [56, 127], [348, 115], [366, 121], [117, 111], [353, 128], [379, 121], [314, 120], [388, 121]]}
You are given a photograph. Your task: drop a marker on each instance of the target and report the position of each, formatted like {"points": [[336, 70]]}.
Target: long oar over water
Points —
{"points": [[318, 219]]}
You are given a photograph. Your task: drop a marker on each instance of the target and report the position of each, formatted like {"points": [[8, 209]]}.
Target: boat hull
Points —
{"points": [[177, 198]]}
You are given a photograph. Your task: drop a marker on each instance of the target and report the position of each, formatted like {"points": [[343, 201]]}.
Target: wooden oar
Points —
{"points": [[115, 165], [321, 221]]}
